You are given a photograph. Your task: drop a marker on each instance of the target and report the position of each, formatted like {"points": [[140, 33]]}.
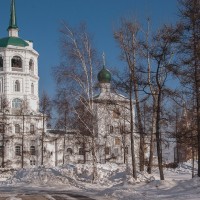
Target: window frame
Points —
{"points": [[81, 151], [17, 128], [32, 88], [17, 86], [32, 128], [17, 102], [1, 63], [32, 150], [18, 150], [16, 63], [111, 129], [69, 151], [107, 150], [31, 65], [1, 151], [117, 141]]}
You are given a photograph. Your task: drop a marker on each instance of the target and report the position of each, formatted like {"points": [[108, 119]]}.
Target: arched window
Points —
{"points": [[32, 150], [17, 128], [17, 86], [16, 63], [31, 128], [1, 63], [17, 150], [16, 103], [69, 151], [81, 151], [31, 66], [32, 88]]}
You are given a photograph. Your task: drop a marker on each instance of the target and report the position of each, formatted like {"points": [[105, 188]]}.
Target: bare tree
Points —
{"points": [[45, 109], [189, 70], [3, 126], [76, 73], [126, 37], [62, 107], [160, 55]]}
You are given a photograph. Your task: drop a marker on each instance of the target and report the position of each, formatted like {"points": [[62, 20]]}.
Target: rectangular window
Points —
{"points": [[17, 128], [32, 129], [107, 150], [116, 114], [1, 151], [126, 150], [111, 129], [117, 141], [18, 151], [2, 128], [81, 151], [116, 151], [32, 150], [122, 129]]}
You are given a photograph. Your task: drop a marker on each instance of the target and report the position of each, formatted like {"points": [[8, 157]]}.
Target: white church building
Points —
{"points": [[22, 126]]}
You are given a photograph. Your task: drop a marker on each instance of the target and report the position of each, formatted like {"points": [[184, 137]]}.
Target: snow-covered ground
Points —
{"points": [[114, 182]]}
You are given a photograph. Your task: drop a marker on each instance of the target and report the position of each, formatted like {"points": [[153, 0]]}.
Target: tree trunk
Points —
{"points": [[192, 161], [151, 152], [64, 150], [42, 141], [22, 164], [94, 160], [140, 127], [132, 133], [64, 138], [84, 152], [158, 137], [3, 146]]}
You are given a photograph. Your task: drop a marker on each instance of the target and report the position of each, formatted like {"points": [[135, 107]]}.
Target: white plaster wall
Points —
{"points": [[25, 77]]}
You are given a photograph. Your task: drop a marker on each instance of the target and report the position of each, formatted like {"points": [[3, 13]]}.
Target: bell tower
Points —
{"points": [[18, 68]]}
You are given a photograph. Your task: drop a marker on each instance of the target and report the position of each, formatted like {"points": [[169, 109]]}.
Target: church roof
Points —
{"points": [[15, 41]]}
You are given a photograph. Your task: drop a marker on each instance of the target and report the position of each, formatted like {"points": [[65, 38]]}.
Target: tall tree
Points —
{"points": [[76, 74], [189, 70], [160, 61], [62, 107], [126, 37], [45, 109]]}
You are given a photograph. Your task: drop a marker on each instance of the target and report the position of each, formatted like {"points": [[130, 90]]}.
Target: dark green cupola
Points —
{"points": [[104, 76]]}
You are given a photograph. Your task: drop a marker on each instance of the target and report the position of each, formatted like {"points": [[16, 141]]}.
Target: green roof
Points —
{"points": [[104, 76], [15, 41]]}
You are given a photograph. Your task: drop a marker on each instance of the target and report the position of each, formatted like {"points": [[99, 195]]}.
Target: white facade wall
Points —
{"points": [[25, 77]]}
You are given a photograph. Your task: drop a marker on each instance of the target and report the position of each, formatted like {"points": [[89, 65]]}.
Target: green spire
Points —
{"points": [[13, 19]]}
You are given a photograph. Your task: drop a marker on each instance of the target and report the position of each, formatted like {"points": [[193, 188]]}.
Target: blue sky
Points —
{"points": [[39, 21]]}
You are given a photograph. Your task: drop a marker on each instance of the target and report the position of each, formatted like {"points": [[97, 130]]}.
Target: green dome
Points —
{"points": [[15, 41], [104, 76]]}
